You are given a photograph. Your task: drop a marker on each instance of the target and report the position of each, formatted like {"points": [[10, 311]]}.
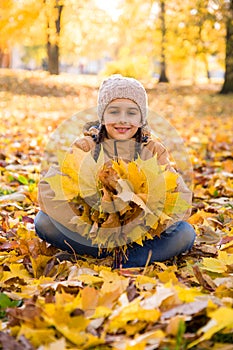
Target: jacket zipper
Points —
{"points": [[115, 149]]}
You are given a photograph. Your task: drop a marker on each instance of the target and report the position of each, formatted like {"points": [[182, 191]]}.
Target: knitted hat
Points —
{"points": [[117, 86]]}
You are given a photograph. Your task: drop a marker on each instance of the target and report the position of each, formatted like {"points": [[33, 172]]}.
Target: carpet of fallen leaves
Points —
{"points": [[50, 302]]}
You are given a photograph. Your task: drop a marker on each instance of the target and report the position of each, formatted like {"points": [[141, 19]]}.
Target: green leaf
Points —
{"points": [[6, 302], [22, 179]]}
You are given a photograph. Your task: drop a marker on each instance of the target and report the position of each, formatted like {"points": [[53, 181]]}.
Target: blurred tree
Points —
{"points": [[163, 76], [87, 31], [16, 25], [178, 37], [228, 80], [53, 11], [147, 37], [195, 36], [131, 49], [65, 27], [3, 43]]}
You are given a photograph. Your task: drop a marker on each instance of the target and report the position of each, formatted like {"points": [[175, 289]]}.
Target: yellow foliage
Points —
{"points": [[167, 276], [132, 312], [37, 336], [220, 264], [187, 295], [71, 327], [16, 271], [78, 175], [136, 67], [127, 196]]}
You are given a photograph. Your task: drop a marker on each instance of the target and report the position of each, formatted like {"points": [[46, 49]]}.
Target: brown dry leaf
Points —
{"points": [[9, 343], [174, 323], [89, 296], [204, 279]]}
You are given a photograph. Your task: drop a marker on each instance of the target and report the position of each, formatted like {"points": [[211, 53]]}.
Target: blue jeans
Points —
{"points": [[176, 239]]}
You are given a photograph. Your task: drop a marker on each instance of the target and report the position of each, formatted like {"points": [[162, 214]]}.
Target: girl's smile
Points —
{"points": [[122, 118], [122, 129]]}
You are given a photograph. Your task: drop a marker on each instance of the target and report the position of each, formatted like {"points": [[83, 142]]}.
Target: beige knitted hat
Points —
{"points": [[117, 86]]}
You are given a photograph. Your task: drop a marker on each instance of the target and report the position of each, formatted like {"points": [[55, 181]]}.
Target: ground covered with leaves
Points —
{"points": [[48, 302]]}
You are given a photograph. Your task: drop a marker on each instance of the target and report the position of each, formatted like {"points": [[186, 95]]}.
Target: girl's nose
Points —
{"points": [[122, 117]]}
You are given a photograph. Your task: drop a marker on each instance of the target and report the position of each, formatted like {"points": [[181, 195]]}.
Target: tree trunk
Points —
{"points": [[194, 70], [53, 49], [5, 59], [163, 77], [228, 80], [207, 68], [53, 58]]}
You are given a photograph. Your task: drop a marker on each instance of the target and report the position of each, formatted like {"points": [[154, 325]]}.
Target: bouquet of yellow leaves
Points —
{"points": [[117, 203]]}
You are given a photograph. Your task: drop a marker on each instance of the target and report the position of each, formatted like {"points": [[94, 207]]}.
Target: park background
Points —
{"points": [[53, 56]]}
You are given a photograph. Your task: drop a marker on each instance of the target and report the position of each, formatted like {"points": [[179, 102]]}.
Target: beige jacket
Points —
{"points": [[62, 211]]}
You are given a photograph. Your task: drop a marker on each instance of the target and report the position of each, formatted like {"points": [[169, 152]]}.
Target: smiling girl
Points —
{"points": [[122, 133]]}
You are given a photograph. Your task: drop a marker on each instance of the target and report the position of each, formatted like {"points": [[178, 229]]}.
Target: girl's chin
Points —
{"points": [[122, 137]]}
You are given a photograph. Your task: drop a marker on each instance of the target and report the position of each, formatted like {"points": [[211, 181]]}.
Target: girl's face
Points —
{"points": [[122, 118]]}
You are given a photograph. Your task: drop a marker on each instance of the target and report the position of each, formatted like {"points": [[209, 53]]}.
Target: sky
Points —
{"points": [[109, 6]]}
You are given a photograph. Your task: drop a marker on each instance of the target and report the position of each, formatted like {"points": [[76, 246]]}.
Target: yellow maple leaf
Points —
{"points": [[63, 186], [89, 300], [155, 182], [137, 234], [225, 257], [167, 275], [16, 270], [38, 264], [142, 282], [170, 180], [133, 312], [127, 195], [187, 294], [101, 311], [137, 178], [131, 172], [89, 279], [214, 265], [88, 174], [199, 217], [121, 168], [70, 162], [73, 328], [152, 220], [78, 175], [37, 336], [220, 264], [175, 204]]}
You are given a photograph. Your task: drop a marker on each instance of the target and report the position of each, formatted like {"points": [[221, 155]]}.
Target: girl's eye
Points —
{"points": [[113, 112]]}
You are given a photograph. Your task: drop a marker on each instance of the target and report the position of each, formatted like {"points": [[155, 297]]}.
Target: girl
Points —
{"points": [[122, 132]]}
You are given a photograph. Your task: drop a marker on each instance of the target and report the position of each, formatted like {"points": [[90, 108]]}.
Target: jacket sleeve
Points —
{"points": [[58, 210]]}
